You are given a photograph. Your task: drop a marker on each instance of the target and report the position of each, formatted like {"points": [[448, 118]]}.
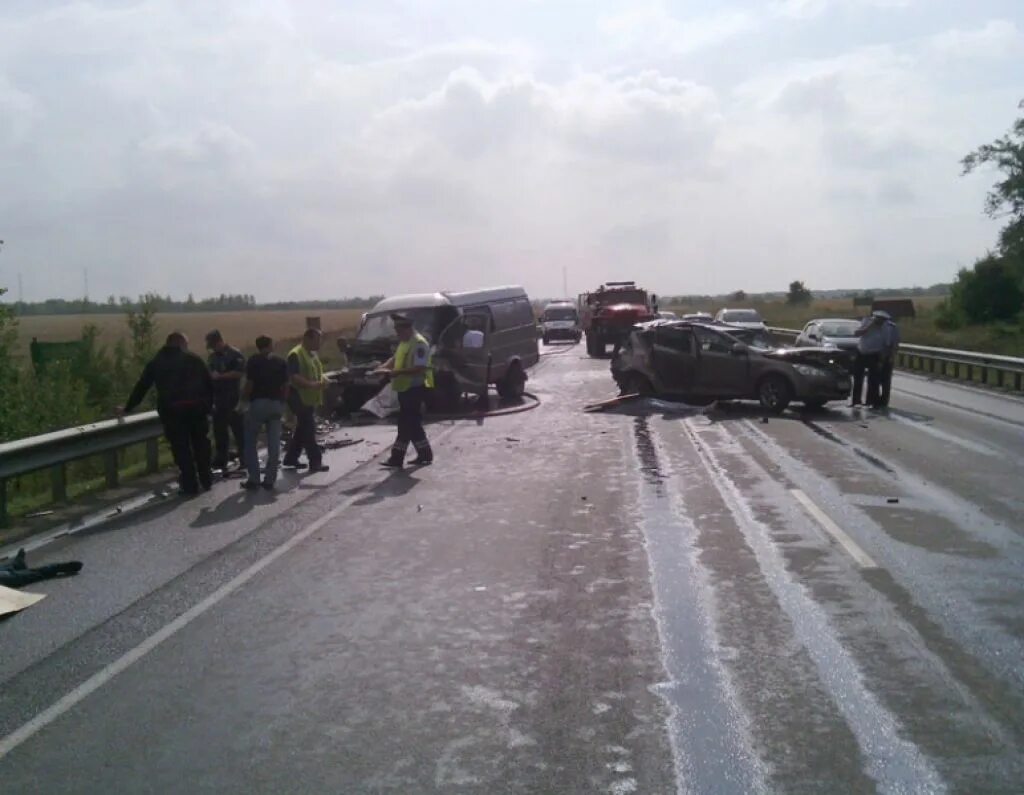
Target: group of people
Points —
{"points": [[877, 344], [190, 391]]}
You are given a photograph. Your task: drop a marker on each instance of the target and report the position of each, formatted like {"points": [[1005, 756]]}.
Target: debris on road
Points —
{"points": [[337, 444], [607, 404], [16, 572], [893, 500], [12, 601]]}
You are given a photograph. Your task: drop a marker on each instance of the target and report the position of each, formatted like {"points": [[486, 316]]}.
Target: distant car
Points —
{"points": [[830, 333], [668, 316], [744, 318], [698, 317], [701, 363]]}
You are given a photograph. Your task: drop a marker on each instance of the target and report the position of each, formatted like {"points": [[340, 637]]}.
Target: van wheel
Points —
{"points": [[775, 393], [512, 386]]}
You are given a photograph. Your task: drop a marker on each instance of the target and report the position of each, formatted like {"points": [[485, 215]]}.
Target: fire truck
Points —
{"points": [[609, 312]]}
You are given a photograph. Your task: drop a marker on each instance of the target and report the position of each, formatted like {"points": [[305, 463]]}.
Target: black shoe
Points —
{"points": [[188, 493], [422, 462], [268, 485], [250, 485], [392, 463], [319, 468], [296, 465]]}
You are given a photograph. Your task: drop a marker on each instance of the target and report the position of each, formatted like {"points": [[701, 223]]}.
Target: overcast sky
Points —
{"points": [[324, 149]]}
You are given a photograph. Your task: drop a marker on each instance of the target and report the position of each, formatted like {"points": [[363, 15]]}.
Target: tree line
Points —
{"points": [[167, 304], [992, 290]]}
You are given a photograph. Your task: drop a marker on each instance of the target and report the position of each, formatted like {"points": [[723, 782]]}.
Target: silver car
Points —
{"points": [[829, 333]]}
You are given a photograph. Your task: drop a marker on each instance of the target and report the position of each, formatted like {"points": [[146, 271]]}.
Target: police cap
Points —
{"points": [[401, 320]]}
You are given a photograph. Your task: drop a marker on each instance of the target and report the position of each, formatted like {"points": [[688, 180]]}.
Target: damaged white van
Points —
{"points": [[479, 337]]}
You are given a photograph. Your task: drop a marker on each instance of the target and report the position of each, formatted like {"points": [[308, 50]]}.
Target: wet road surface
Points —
{"points": [[656, 599]]}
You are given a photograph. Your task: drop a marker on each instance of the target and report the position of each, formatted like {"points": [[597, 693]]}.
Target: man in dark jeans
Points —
{"points": [[227, 365], [266, 388], [306, 376], [184, 394]]}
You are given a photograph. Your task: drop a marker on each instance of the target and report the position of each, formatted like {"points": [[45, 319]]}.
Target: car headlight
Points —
{"points": [[810, 371]]}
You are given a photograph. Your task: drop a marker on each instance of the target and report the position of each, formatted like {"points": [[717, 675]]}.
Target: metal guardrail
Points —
{"points": [[984, 368], [55, 450]]}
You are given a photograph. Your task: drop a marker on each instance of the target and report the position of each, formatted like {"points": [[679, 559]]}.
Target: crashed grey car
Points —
{"points": [[700, 363]]}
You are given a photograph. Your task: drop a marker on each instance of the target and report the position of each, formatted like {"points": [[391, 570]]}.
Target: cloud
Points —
{"points": [[315, 149], [808, 9], [653, 27], [998, 38]]}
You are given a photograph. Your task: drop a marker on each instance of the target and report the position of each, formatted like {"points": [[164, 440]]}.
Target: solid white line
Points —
{"points": [[861, 557], [101, 677]]}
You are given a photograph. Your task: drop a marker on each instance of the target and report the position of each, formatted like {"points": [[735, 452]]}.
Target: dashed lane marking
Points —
{"points": [[862, 558]]}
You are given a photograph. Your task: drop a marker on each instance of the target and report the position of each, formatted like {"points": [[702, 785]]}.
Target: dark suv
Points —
{"points": [[701, 363]]}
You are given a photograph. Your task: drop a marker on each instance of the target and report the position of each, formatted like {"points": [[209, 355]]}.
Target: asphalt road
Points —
{"points": [[651, 600]]}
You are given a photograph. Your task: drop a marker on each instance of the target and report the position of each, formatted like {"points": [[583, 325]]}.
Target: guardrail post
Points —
{"points": [[3, 503], [152, 456], [1016, 381], [59, 483], [1000, 378], [984, 376], [110, 460]]}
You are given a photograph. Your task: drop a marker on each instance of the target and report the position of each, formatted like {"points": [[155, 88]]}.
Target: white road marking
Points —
{"points": [[861, 557], [129, 658], [132, 656]]}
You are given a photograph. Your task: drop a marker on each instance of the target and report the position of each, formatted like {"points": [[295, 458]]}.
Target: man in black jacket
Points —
{"points": [[184, 396], [227, 366]]}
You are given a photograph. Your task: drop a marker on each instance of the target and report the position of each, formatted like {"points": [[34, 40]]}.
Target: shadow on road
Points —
{"points": [[397, 485]]}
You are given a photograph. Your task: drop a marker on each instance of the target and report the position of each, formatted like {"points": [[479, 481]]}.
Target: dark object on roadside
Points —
{"points": [[336, 444], [898, 308], [15, 573], [893, 500], [700, 363], [764, 420]]}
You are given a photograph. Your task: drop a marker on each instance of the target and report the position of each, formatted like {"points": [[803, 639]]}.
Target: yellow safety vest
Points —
{"points": [[312, 368], [403, 359]]}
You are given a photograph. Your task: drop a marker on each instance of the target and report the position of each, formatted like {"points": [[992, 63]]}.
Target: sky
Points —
{"points": [[317, 150]]}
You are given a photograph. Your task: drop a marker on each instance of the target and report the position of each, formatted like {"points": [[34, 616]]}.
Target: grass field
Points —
{"points": [[239, 328]]}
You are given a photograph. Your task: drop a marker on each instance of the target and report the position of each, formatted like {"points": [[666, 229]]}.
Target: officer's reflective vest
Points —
{"points": [[310, 367], [404, 359]]}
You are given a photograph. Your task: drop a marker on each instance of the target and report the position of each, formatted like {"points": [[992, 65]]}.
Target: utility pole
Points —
{"points": [[565, 282]]}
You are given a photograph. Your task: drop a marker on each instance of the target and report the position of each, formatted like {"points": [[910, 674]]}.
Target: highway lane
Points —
{"points": [[651, 600]]}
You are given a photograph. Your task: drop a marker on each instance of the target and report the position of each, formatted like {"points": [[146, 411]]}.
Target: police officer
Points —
{"points": [[184, 394], [411, 376], [306, 375], [870, 349], [227, 366], [891, 333]]}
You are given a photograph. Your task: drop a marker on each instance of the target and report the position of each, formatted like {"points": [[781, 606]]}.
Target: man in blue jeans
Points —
{"points": [[266, 389]]}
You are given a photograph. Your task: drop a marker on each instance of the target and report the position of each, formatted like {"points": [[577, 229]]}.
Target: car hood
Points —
{"points": [[823, 357], [845, 343]]}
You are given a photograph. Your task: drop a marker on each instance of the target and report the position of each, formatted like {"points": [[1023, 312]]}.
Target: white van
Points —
{"points": [[503, 316], [560, 321]]}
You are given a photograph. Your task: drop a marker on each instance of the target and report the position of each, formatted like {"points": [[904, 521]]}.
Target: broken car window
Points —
{"points": [[711, 342]]}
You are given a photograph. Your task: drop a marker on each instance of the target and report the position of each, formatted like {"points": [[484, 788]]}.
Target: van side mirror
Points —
{"points": [[739, 349]]}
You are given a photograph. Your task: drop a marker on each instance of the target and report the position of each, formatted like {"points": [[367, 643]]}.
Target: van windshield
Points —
{"points": [[560, 313], [379, 327]]}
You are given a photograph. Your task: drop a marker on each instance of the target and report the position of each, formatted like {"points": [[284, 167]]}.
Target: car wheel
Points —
{"points": [[513, 385], [815, 405], [775, 393]]}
